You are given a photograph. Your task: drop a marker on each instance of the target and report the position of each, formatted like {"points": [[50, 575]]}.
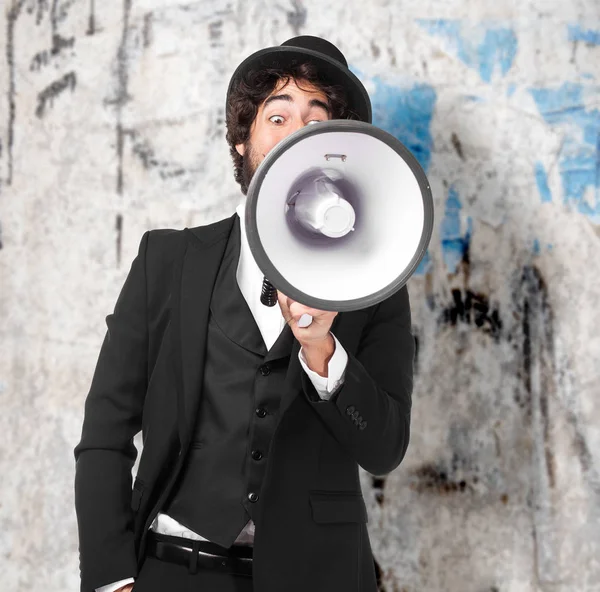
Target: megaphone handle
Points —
{"points": [[268, 294]]}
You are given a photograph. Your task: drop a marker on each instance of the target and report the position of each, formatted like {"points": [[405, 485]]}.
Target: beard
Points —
{"points": [[250, 163]]}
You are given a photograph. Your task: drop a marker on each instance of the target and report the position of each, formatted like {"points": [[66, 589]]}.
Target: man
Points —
{"points": [[253, 426]]}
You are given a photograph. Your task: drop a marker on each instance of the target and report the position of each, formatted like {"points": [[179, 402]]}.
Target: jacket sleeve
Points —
{"points": [[105, 454], [369, 415]]}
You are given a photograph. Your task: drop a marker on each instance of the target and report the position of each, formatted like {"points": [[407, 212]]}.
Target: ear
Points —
{"points": [[240, 149]]}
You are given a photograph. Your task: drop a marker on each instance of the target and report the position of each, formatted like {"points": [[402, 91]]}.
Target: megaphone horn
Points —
{"points": [[338, 216]]}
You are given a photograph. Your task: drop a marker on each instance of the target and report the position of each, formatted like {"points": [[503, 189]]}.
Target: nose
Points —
{"points": [[299, 125]]}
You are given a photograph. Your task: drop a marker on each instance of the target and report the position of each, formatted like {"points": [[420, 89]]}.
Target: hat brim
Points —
{"points": [[332, 70]]}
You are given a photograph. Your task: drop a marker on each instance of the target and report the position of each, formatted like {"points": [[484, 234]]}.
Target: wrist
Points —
{"points": [[317, 355]]}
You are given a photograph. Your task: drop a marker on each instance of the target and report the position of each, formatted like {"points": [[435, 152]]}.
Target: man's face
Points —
{"points": [[287, 109]]}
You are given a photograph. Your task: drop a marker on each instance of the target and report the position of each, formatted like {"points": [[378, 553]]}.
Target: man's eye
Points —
{"points": [[314, 121], [276, 119]]}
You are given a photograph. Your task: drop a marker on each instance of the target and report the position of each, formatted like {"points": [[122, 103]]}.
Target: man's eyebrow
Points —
{"points": [[289, 99]]}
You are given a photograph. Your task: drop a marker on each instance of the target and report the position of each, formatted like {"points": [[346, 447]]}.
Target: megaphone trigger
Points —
{"points": [[305, 321]]}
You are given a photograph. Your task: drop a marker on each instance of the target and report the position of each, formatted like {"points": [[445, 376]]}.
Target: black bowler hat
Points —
{"points": [[329, 61]]}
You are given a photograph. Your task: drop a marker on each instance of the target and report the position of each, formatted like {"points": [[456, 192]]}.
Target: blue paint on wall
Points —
{"points": [[578, 33], [425, 266], [579, 159], [455, 232], [537, 247], [542, 182], [486, 47], [406, 113]]}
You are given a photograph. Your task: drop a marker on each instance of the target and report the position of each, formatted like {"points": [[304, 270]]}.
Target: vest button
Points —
{"points": [[256, 454], [261, 411], [253, 497], [265, 370]]}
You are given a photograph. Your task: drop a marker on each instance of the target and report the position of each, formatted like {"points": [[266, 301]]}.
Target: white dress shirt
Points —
{"points": [[270, 322]]}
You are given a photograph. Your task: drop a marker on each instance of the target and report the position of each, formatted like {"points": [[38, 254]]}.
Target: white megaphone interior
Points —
{"points": [[388, 226]]}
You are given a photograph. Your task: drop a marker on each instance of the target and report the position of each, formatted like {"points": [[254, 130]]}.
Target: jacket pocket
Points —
{"points": [[337, 507], [136, 494]]}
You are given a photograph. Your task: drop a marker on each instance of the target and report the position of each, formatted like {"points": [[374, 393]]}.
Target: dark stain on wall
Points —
{"points": [[11, 19], [472, 308], [41, 8], [47, 96], [91, 30], [436, 478], [537, 354], [147, 30], [540, 377], [121, 99], [145, 152], [378, 576], [119, 237], [215, 32], [417, 339], [59, 43], [296, 18], [60, 10], [378, 483], [122, 91], [457, 145], [539, 374], [392, 55], [42, 58]]}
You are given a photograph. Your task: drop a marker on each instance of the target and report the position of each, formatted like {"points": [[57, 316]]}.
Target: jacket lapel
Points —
{"points": [[194, 278]]}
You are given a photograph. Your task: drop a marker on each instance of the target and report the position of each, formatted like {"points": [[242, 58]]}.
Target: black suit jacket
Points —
{"points": [[311, 528]]}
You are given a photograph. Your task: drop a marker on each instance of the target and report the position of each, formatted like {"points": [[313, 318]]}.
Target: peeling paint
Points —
{"points": [[579, 33], [566, 108], [488, 48], [456, 230], [542, 182]]}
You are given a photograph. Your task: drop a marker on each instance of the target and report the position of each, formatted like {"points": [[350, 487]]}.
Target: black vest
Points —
{"points": [[220, 484]]}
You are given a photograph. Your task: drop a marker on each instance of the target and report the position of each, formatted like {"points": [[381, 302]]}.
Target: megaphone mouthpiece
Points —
{"points": [[320, 208]]}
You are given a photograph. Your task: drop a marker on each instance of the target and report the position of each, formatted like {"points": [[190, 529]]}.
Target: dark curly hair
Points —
{"points": [[249, 93]]}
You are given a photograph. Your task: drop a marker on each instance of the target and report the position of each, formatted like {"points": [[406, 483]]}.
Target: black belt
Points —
{"points": [[236, 560]]}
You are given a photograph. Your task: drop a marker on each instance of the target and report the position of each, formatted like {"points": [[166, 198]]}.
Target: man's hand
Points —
{"points": [[317, 343], [317, 333]]}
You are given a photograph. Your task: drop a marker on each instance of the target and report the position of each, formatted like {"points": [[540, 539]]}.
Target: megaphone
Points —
{"points": [[338, 215]]}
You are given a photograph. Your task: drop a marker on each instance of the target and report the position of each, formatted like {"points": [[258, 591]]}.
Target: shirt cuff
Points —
{"points": [[336, 369], [115, 586]]}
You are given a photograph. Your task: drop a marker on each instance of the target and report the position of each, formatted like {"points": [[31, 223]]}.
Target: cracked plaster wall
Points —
{"points": [[111, 122]]}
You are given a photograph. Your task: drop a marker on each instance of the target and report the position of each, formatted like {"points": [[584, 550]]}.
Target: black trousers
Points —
{"points": [[162, 576]]}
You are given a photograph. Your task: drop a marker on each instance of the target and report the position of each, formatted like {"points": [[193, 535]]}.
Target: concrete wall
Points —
{"points": [[111, 122]]}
